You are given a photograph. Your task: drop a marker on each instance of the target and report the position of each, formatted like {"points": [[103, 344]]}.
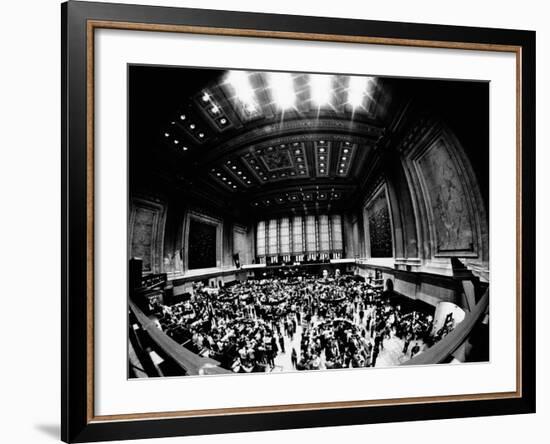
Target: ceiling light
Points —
{"points": [[215, 109], [282, 89], [192, 126], [166, 134], [322, 171], [321, 150], [357, 90], [346, 151], [342, 164], [182, 117], [234, 167], [242, 89], [205, 97], [341, 171], [201, 135], [344, 158], [184, 148], [176, 142], [320, 87]]}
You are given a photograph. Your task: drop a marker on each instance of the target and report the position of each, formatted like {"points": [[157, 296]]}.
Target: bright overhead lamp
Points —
{"points": [[242, 89], [282, 89], [320, 88], [357, 89]]}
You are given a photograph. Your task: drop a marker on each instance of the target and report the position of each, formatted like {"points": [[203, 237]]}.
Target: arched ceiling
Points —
{"points": [[254, 150]]}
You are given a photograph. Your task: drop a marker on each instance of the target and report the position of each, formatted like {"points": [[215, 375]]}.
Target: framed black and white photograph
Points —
{"points": [[283, 222]]}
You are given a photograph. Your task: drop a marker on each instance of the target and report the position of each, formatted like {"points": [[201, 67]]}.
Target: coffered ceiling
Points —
{"points": [[262, 142]]}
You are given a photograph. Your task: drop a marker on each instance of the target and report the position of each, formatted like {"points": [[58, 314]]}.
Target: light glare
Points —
{"points": [[320, 86], [243, 89], [282, 89], [357, 90]]}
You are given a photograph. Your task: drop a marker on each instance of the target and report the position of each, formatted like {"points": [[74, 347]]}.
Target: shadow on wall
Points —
{"points": [[51, 430]]}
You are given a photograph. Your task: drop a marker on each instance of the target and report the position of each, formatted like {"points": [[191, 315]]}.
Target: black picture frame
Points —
{"points": [[77, 424]]}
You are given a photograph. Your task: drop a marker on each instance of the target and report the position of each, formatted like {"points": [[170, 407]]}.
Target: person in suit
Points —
{"points": [[375, 351], [294, 357], [282, 344], [407, 343]]}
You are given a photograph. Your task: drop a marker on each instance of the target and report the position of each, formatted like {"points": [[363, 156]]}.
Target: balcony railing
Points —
{"points": [[442, 350], [190, 363]]}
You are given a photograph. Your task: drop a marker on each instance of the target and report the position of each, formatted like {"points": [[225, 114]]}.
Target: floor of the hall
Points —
{"points": [[391, 354]]}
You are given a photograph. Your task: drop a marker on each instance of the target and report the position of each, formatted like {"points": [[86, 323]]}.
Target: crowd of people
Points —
{"points": [[320, 323]]}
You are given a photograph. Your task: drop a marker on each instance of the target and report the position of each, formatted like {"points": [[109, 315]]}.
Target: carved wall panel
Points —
{"points": [[380, 231], [241, 245], [449, 210], [447, 199], [146, 232], [204, 237], [202, 245]]}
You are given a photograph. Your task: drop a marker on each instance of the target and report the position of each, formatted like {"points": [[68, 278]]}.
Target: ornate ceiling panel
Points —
{"points": [[245, 136]]}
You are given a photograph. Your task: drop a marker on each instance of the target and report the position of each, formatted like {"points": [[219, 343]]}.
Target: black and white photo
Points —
{"points": [[290, 221]]}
